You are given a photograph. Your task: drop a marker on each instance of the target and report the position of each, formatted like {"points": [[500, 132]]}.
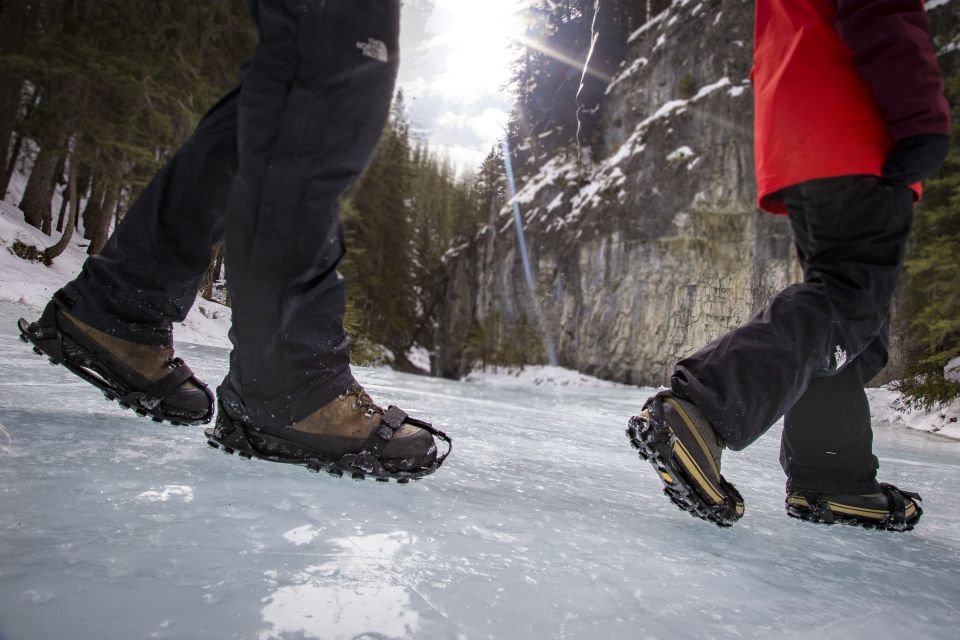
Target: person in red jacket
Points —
{"points": [[850, 119]]}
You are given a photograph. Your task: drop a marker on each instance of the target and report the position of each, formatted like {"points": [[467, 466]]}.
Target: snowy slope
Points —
{"points": [[32, 283], [543, 524]]}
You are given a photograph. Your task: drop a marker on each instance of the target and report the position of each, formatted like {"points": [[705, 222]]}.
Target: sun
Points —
{"points": [[479, 41]]}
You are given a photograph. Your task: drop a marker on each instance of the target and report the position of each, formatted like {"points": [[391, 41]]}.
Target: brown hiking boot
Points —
{"points": [[342, 426], [675, 437], [145, 378], [351, 434]]}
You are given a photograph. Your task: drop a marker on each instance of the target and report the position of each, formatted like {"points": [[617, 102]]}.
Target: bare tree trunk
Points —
{"points": [[53, 252], [94, 208], [59, 180], [10, 94], [11, 165], [84, 176], [101, 230], [63, 210], [39, 192], [212, 274]]}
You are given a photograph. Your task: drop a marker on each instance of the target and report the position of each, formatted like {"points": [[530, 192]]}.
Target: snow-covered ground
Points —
{"points": [[887, 411], [32, 283], [543, 524]]}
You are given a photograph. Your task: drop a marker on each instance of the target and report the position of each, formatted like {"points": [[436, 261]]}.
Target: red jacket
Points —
{"points": [[836, 84]]}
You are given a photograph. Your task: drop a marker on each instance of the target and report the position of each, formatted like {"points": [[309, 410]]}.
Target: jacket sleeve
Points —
{"points": [[890, 40]]}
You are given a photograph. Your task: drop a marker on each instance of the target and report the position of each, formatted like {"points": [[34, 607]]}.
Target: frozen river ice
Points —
{"points": [[543, 524]]}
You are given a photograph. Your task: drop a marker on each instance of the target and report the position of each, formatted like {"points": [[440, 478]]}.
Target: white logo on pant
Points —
{"points": [[375, 49], [841, 357]]}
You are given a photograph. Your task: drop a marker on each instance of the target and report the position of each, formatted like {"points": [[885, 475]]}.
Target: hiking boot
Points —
{"points": [[145, 378], [351, 434], [672, 435], [890, 510]]}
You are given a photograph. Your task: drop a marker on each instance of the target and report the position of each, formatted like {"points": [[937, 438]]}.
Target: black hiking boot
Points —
{"points": [[672, 435], [145, 378], [350, 435], [889, 510]]}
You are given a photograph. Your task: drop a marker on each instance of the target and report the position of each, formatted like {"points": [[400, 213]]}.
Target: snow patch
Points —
{"points": [[419, 357], [302, 535], [649, 24], [682, 153], [886, 409], [635, 66], [710, 88], [182, 492], [557, 169], [555, 203], [537, 376], [951, 372], [949, 48]]}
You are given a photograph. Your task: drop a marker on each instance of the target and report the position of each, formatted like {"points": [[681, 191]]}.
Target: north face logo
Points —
{"points": [[375, 49], [841, 357]]}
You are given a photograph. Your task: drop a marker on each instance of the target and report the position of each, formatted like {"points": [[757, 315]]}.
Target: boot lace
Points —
{"points": [[362, 401]]}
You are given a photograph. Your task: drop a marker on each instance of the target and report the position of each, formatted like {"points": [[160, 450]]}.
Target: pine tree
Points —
{"points": [[931, 299], [121, 84], [380, 237]]}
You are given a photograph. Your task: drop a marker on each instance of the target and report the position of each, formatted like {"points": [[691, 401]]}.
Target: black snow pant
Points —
{"points": [[263, 171], [808, 354]]}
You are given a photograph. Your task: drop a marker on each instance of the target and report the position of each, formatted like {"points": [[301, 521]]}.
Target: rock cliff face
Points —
{"points": [[656, 247]]}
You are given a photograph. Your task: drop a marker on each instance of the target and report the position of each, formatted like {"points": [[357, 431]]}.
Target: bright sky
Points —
{"points": [[454, 71]]}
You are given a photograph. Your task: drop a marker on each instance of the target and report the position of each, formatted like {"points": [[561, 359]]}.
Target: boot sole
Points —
{"points": [[88, 371], [811, 514], [249, 444], [677, 470]]}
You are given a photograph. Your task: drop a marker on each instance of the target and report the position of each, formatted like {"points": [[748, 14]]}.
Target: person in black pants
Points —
{"points": [[263, 171], [850, 117]]}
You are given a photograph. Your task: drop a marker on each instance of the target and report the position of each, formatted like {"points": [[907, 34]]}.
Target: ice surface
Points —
{"points": [[543, 524]]}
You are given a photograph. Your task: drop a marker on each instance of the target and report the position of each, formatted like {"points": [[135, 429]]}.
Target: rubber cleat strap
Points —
{"points": [[898, 506], [172, 381], [390, 423], [822, 508]]}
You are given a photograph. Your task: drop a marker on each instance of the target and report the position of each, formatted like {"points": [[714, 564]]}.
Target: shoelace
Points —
{"points": [[363, 401], [172, 362]]}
